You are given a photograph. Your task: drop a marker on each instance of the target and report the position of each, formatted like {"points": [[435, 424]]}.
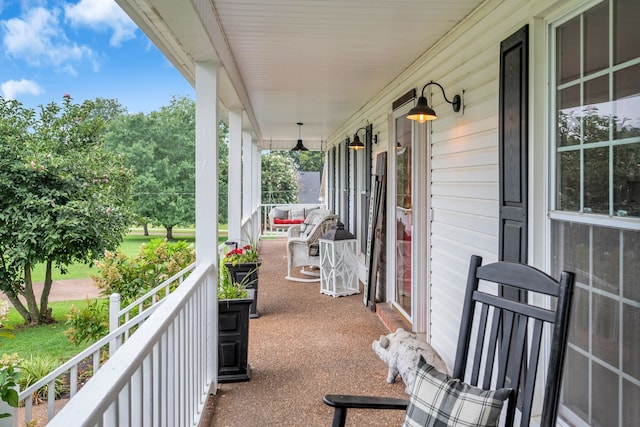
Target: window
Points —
{"points": [[598, 112], [597, 159]]}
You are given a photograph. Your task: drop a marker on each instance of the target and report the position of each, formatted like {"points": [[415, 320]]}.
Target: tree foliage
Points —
{"points": [[306, 161], [223, 173], [160, 147], [65, 197], [279, 178]]}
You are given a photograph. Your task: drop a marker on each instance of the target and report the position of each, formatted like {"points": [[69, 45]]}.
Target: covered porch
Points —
{"points": [[506, 175], [303, 345]]}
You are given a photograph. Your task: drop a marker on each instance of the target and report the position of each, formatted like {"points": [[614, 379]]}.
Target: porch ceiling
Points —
{"points": [[288, 61]]}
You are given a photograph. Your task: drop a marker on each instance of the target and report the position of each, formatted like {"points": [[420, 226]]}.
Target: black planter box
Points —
{"points": [[233, 339], [239, 273]]}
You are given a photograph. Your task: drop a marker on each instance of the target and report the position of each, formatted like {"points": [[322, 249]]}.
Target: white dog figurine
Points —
{"points": [[401, 350]]}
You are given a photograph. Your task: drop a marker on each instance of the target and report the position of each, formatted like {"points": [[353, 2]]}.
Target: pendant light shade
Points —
{"points": [[299, 146]]}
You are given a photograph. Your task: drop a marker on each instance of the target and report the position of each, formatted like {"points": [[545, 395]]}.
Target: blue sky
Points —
{"points": [[84, 48]]}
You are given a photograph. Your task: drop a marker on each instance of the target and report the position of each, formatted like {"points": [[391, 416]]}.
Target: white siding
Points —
{"points": [[464, 163]]}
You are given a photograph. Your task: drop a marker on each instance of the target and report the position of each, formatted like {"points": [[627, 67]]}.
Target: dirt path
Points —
{"points": [[68, 290]]}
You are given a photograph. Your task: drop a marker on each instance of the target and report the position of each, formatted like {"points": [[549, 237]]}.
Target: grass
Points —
{"points": [[130, 246], [50, 339], [44, 339]]}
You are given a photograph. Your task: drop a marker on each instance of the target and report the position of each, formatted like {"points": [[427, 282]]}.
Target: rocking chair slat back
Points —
{"points": [[508, 334]]}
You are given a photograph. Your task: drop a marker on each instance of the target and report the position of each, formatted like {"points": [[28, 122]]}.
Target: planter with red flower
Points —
{"points": [[243, 265]]}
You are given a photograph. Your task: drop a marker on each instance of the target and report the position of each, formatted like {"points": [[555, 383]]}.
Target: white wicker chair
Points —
{"points": [[302, 250]]}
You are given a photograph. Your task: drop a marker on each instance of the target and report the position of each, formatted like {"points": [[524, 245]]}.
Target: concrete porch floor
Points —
{"points": [[304, 345]]}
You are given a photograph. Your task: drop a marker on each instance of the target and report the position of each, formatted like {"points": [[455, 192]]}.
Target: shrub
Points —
{"points": [[33, 369], [119, 274], [157, 261], [9, 376], [88, 324]]}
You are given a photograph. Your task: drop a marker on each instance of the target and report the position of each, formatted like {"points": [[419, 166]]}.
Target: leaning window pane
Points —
{"points": [[626, 102], [596, 38], [568, 51], [568, 116], [626, 180], [631, 266], [631, 342], [569, 181], [604, 396], [597, 109], [626, 31], [606, 259], [596, 180]]}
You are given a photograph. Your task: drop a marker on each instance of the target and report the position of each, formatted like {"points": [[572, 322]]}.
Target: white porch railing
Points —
{"points": [[161, 375], [121, 326], [119, 316]]}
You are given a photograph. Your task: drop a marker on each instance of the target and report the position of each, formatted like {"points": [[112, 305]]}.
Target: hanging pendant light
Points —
{"points": [[299, 146]]}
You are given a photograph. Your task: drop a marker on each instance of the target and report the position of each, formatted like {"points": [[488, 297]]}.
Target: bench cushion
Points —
{"points": [[287, 221]]}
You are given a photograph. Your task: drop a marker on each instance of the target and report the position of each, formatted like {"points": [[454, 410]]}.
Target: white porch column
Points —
{"points": [[257, 185], [235, 187], [207, 200], [206, 163], [247, 174]]}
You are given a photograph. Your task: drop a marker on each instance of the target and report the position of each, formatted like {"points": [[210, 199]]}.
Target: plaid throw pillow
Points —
{"points": [[439, 400]]}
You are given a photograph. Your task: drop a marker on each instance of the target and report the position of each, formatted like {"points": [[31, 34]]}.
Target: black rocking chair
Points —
{"points": [[510, 332]]}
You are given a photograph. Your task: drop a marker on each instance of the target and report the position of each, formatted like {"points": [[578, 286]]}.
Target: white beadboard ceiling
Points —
{"points": [[288, 61]]}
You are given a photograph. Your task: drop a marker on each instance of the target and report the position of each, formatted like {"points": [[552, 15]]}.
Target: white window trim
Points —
{"points": [[551, 22]]}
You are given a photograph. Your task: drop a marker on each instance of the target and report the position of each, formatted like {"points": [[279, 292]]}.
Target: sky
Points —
{"points": [[85, 48]]}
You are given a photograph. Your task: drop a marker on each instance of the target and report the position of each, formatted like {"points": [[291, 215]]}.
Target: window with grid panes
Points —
{"points": [[595, 217]]}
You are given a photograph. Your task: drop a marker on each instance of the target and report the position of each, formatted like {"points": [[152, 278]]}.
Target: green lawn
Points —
{"points": [[49, 339], [130, 246], [45, 339]]}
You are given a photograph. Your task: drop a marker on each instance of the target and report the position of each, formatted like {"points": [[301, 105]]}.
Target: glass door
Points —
{"points": [[403, 214]]}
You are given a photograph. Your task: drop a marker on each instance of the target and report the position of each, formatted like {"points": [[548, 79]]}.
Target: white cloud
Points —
{"points": [[100, 15], [39, 40], [13, 88]]}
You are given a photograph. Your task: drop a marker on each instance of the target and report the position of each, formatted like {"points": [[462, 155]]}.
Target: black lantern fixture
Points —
{"points": [[337, 232], [357, 144], [299, 146], [422, 112]]}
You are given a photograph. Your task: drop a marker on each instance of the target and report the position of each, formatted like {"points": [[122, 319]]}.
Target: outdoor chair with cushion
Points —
{"points": [[498, 354], [303, 245]]}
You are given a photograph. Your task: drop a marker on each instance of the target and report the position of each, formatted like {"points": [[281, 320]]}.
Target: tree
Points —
{"points": [[160, 147], [223, 172], [279, 179], [306, 161], [130, 135], [65, 197]]}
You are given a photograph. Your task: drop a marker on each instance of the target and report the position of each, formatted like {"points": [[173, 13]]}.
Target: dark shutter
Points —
{"points": [[346, 205], [514, 80], [514, 98], [332, 173]]}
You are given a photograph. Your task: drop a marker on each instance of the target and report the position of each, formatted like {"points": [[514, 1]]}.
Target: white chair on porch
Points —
{"points": [[303, 245]]}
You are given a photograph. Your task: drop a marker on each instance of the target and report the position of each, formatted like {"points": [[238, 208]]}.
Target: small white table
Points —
{"points": [[338, 267]]}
